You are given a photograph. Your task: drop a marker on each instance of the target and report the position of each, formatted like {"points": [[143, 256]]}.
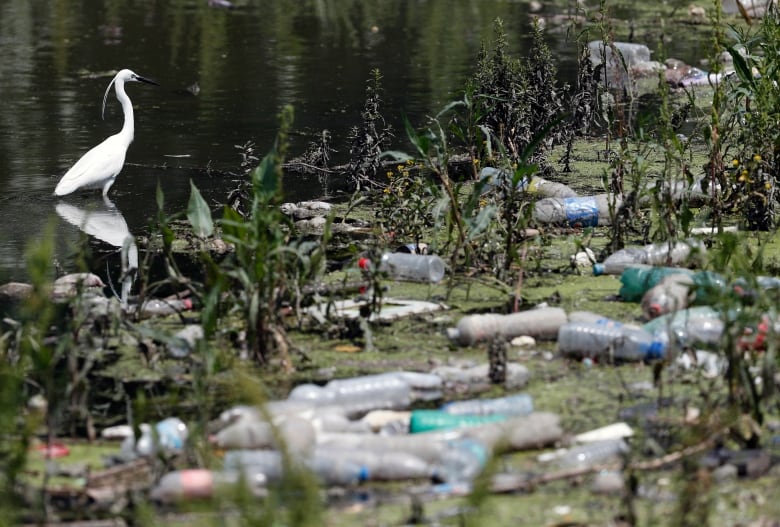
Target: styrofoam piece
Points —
{"points": [[613, 431]]}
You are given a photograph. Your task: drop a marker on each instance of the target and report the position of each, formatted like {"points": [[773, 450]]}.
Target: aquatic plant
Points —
{"points": [[266, 269], [369, 139]]}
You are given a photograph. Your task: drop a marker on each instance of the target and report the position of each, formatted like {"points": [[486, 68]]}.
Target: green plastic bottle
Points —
{"points": [[430, 420], [637, 280]]}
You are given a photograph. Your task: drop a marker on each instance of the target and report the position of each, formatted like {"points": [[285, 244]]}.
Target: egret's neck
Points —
{"points": [[128, 129]]}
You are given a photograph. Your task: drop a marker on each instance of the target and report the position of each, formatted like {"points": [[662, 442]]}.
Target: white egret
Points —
{"points": [[99, 167]]}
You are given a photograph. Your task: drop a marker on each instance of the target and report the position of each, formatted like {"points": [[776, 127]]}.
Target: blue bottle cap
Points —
{"points": [[598, 269], [655, 350]]}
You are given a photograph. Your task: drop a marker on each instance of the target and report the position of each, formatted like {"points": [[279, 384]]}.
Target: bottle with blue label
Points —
{"points": [[584, 211], [609, 342]]}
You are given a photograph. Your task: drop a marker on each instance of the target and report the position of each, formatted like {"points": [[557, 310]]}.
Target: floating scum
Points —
{"points": [[99, 167]]}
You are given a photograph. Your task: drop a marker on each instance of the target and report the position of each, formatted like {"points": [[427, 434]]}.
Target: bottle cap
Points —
{"points": [[598, 269], [364, 263]]}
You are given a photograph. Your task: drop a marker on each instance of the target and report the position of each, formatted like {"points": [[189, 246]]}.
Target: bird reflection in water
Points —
{"points": [[102, 220]]}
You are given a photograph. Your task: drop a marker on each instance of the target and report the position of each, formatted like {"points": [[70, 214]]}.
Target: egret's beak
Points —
{"points": [[147, 81]]}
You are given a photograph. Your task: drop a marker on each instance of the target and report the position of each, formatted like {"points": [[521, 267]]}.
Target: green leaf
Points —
{"points": [[741, 67], [264, 179], [199, 214], [419, 141], [479, 224]]}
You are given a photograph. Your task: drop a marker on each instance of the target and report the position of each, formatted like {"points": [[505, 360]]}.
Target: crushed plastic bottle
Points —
{"points": [[359, 395], [540, 323], [594, 340], [155, 307], [664, 253], [461, 460], [671, 294], [511, 405]]}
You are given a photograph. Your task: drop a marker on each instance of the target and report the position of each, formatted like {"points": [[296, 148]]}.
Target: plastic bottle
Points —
{"points": [[511, 405], [155, 307], [652, 254], [583, 339], [266, 462], [168, 435], [407, 266], [358, 395], [380, 464], [669, 295], [541, 323], [333, 469], [428, 420], [591, 454], [632, 53], [202, 484], [461, 460], [536, 185], [583, 211], [298, 434], [636, 281]]}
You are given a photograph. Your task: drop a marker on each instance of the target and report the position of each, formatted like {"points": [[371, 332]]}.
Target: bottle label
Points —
{"points": [[581, 211]]}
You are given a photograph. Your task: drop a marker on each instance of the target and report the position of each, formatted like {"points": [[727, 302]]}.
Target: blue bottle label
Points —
{"points": [[581, 211]]}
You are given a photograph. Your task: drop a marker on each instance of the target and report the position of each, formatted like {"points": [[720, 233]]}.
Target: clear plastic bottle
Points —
{"points": [[583, 339], [332, 469], [409, 266], [581, 211], [461, 460], [591, 454], [358, 395], [380, 464], [511, 405], [266, 462], [541, 323], [428, 420], [155, 307], [539, 186], [664, 253]]}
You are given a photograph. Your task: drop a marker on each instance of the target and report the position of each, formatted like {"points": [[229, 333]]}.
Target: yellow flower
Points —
{"points": [[387, 190], [400, 167], [767, 185], [756, 158], [744, 173], [476, 161], [390, 173], [742, 178], [482, 202], [409, 162], [735, 163]]}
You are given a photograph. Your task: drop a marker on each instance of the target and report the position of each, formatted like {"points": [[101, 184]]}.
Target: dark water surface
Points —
{"points": [[57, 58]]}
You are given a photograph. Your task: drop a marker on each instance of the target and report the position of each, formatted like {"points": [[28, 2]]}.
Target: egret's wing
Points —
{"points": [[95, 167]]}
